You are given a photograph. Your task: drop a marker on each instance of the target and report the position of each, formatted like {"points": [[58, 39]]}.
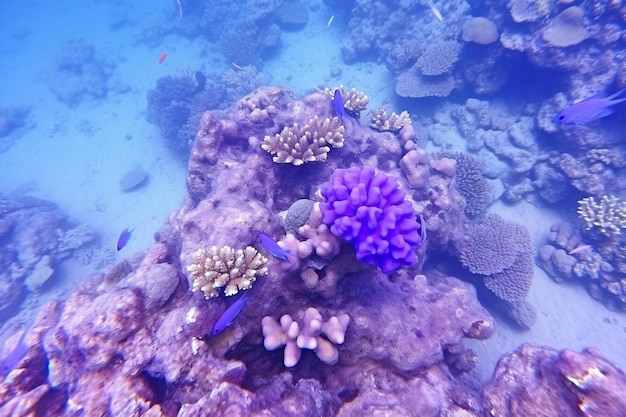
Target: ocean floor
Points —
{"points": [[76, 156]]}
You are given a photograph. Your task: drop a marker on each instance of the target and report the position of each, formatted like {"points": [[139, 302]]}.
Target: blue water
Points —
{"points": [[100, 103]]}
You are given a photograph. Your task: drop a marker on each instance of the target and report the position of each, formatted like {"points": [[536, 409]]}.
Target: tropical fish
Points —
{"points": [[578, 249], [16, 355], [435, 11], [588, 110], [422, 228], [229, 315], [273, 247], [162, 57], [123, 239], [340, 110], [330, 21]]}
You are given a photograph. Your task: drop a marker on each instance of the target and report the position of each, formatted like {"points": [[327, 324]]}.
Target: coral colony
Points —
{"points": [[315, 267], [320, 325]]}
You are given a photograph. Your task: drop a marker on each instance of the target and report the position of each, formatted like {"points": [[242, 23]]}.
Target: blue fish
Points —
{"points": [[229, 315], [590, 109], [273, 247], [123, 239], [340, 110], [16, 355]]}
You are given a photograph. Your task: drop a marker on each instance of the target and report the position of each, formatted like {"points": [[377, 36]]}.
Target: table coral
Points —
{"points": [[217, 267], [501, 252], [439, 57], [314, 334], [311, 142], [369, 210], [411, 83]]}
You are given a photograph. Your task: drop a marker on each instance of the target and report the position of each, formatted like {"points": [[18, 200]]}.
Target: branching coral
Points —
{"points": [[353, 101], [288, 333], [368, 209], [608, 214], [312, 142], [214, 268], [393, 122]]}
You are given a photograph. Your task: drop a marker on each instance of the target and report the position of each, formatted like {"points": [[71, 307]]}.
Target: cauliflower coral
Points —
{"points": [[368, 209]]}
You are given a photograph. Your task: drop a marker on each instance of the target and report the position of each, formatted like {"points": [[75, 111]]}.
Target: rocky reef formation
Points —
{"points": [[135, 339]]}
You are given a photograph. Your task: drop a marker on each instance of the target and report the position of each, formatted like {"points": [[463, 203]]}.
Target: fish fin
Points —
{"points": [[603, 113], [618, 94]]}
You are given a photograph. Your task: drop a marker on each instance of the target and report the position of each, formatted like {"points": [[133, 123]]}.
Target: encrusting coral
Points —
{"points": [[393, 122], [608, 215], [214, 268], [310, 336], [311, 142]]}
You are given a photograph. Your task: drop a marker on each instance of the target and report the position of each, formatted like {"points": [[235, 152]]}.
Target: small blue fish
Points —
{"points": [[229, 315], [273, 247], [340, 111], [16, 355], [123, 239], [590, 109]]}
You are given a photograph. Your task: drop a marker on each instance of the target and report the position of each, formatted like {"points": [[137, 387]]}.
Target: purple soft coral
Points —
{"points": [[368, 209]]}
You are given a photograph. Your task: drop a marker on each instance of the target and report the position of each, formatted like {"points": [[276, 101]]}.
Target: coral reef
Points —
{"points": [[36, 237], [78, 74], [353, 101], [594, 260], [470, 182], [369, 210], [572, 383], [235, 270], [314, 334], [135, 340], [500, 253], [393, 122], [309, 143], [607, 215]]}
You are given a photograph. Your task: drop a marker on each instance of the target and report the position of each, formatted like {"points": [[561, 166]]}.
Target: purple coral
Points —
{"points": [[368, 209]]}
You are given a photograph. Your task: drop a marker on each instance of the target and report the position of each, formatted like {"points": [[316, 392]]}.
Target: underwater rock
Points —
{"points": [[133, 179]]}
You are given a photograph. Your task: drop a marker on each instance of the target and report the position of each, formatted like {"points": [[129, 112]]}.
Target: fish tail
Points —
{"points": [[618, 94]]}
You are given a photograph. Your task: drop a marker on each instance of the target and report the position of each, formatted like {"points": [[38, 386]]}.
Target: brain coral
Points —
{"points": [[567, 28], [368, 209], [480, 30]]}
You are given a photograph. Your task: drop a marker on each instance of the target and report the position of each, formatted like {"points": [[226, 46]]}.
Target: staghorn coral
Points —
{"points": [[353, 101], [312, 142], [368, 209], [215, 268], [315, 334], [439, 57], [393, 122], [607, 215]]}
